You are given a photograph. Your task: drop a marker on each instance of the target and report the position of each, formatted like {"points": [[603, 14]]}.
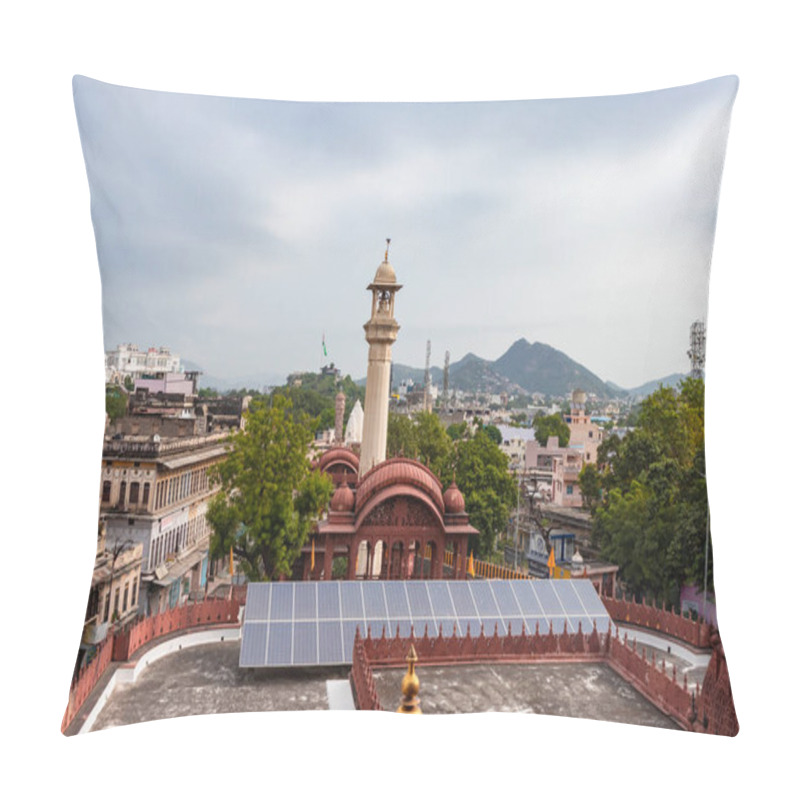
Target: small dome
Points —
{"points": [[343, 499], [385, 274], [454, 500]]}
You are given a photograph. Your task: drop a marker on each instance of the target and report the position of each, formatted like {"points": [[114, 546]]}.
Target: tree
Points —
{"points": [[116, 402], [269, 495], [652, 520], [481, 472], [435, 448], [401, 437], [590, 485], [458, 430], [552, 425], [423, 438], [493, 432]]}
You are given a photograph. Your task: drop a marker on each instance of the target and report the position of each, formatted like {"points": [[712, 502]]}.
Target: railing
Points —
{"points": [[121, 646], [709, 711], [694, 633], [485, 569]]}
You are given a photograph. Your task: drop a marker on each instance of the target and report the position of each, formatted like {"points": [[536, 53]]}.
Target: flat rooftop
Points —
{"points": [[207, 679], [585, 691]]}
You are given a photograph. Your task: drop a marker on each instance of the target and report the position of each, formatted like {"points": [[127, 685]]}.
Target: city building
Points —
{"points": [[127, 360], [154, 493], [114, 595]]}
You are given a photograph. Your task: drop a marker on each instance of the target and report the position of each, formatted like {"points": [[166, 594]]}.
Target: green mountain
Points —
{"points": [[540, 368]]}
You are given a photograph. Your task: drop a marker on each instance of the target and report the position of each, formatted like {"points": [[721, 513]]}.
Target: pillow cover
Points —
{"points": [[277, 533]]}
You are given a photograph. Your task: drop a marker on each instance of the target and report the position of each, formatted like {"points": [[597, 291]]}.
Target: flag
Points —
{"points": [[551, 562], [231, 564], [324, 349], [471, 566], [312, 555]]}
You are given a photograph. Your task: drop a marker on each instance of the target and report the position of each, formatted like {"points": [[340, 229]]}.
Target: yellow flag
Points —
{"points": [[231, 564], [471, 566], [312, 555]]}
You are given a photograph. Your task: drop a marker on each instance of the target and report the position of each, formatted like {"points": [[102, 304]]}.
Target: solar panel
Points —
{"points": [[309, 623], [258, 603], [328, 606]]}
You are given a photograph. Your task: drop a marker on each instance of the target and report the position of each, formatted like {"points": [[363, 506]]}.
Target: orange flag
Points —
{"points": [[312, 555], [471, 566], [551, 562]]}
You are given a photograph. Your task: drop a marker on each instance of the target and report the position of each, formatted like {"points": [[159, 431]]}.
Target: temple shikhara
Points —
{"points": [[390, 518]]}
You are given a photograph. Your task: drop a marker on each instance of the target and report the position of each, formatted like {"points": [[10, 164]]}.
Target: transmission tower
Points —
{"points": [[697, 349], [426, 404], [446, 381]]}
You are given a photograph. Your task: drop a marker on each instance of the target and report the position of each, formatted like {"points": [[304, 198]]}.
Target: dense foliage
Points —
{"points": [[269, 496], [116, 402], [315, 395], [478, 465], [552, 425], [652, 520]]}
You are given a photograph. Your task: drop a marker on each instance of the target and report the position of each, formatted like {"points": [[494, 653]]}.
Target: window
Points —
{"points": [[107, 605], [123, 488], [133, 593], [569, 488], [125, 599], [145, 494], [106, 491], [134, 495], [116, 602]]}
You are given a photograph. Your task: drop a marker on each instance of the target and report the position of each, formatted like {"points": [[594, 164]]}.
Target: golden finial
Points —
{"points": [[386, 254], [410, 686]]}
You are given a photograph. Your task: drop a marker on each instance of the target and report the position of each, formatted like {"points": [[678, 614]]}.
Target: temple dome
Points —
{"points": [[454, 500], [337, 455], [399, 472], [385, 274], [343, 499]]}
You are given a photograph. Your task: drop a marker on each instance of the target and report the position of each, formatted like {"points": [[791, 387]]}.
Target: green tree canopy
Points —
{"points": [[481, 471], [652, 519], [116, 402], [423, 438], [552, 425], [269, 496]]}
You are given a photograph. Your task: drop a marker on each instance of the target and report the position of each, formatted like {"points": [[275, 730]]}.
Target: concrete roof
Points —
{"points": [[206, 679]]}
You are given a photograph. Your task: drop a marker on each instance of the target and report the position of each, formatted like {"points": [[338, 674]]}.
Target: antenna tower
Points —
{"points": [[697, 349], [446, 379], [427, 396]]}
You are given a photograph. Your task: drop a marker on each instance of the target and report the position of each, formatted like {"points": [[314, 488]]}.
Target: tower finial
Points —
{"points": [[386, 254], [410, 686]]}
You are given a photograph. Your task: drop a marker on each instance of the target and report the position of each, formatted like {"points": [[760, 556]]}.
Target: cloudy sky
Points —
{"points": [[238, 232]]}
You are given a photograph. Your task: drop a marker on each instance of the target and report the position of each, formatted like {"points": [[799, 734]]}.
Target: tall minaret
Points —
{"points": [[381, 333]]}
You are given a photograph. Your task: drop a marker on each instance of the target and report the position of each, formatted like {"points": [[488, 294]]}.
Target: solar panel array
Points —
{"points": [[310, 623]]}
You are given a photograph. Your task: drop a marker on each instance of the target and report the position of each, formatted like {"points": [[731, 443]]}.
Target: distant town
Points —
{"points": [[249, 508]]}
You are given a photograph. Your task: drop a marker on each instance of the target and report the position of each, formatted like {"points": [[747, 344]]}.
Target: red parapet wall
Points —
{"points": [[192, 615], [124, 644], [694, 633], [86, 681], [708, 712]]}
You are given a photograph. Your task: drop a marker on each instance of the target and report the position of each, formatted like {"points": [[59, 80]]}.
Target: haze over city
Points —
{"points": [[239, 232]]}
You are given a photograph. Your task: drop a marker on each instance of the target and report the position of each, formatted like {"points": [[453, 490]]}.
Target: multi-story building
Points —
{"points": [[583, 433], [114, 595], [154, 492], [129, 360]]}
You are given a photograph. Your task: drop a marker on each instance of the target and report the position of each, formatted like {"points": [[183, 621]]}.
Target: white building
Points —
{"points": [[129, 360]]}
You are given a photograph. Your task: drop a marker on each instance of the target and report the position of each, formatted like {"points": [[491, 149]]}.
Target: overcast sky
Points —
{"points": [[238, 232]]}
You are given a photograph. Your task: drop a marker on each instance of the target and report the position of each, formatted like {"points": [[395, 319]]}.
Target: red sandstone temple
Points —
{"points": [[394, 523]]}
